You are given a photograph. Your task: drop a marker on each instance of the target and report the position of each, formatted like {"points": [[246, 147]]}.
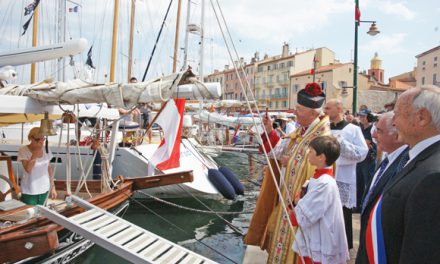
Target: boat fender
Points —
{"points": [[233, 180], [221, 184]]}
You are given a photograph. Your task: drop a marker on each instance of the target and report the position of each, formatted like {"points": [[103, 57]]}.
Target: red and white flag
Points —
{"points": [[167, 155]]}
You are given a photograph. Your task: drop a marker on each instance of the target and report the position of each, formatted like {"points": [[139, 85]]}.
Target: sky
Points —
{"points": [[407, 28]]}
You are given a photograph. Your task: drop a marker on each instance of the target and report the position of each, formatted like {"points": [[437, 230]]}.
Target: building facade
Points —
{"points": [[428, 68]]}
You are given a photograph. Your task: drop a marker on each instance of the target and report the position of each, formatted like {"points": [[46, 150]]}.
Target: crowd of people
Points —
{"points": [[382, 166]]}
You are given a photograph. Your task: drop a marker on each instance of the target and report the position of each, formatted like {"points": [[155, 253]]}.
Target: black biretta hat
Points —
{"points": [[311, 96]]}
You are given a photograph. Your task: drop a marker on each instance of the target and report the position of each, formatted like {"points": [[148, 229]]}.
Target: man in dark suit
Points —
{"points": [[409, 212], [387, 141]]}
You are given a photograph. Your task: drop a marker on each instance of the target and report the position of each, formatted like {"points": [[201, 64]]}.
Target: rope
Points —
{"points": [[157, 40], [189, 208]]}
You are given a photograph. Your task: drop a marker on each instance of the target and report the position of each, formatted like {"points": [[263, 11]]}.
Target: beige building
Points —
{"points": [[335, 79], [428, 68], [217, 76], [272, 82]]}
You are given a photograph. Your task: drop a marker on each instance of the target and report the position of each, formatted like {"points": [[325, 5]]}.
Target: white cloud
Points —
{"points": [[279, 20], [385, 44], [398, 9]]}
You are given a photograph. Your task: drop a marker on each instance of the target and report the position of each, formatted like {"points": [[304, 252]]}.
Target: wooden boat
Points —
{"points": [[27, 237]]}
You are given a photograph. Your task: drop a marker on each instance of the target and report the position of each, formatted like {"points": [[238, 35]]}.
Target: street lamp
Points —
{"points": [[372, 32]]}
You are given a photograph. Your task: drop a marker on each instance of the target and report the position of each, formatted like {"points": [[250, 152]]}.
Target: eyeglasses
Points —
{"points": [[38, 139]]}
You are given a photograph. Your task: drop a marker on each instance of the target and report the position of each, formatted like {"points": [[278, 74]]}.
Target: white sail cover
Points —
{"points": [[221, 104], [119, 95], [217, 118]]}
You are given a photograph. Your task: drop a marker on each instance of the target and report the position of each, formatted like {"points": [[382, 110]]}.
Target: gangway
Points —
{"points": [[121, 237]]}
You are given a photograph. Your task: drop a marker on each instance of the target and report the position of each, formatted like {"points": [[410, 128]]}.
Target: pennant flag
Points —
{"points": [[167, 155], [357, 14], [89, 58], [26, 25], [73, 9], [31, 7], [28, 10]]}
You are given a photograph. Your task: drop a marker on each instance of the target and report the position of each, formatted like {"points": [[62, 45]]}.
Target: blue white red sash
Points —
{"points": [[374, 236]]}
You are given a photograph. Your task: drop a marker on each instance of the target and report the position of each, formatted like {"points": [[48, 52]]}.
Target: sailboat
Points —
{"points": [[26, 236]]}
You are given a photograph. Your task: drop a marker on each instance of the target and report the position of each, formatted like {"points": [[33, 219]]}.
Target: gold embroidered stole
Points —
{"points": [[298, 170]]}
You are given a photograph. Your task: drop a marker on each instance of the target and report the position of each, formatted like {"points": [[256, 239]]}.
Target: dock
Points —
{"points": [[121, 237]]}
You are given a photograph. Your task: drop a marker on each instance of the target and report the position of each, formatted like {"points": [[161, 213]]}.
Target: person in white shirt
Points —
{"points": [[37, 179], [354, 149], [321, 236]]}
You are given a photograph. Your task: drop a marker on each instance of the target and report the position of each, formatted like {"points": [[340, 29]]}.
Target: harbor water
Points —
{"points": [[205, 233]]}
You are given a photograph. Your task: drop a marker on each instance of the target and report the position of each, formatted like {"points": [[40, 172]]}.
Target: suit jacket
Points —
{"points": [[387, 175], [411, 210]]}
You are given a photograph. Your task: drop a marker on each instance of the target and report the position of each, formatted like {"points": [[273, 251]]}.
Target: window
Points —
{"points": [[435, 58], [285, 77], [270, 104], [270, 78], [260, 68], [278, 78], [284, 104], [268, 67], [285, 92], [424, 63], [423, 80], [342, 84], [282, 65], [296, 88], [289, 63], [434, 78], [276, 104], [275, 66]]}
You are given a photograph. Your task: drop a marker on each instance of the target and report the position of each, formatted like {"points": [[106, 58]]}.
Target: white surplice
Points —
{"points": [[319, 214]]}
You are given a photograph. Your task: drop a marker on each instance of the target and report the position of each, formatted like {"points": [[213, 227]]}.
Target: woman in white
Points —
{"points": [[37, 180]]}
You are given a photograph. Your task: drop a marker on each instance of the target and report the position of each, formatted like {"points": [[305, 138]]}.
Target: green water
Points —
{"points": [[205, 234]]}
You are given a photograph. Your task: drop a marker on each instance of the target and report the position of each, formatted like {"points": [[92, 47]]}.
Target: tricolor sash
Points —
{"points": [[374, 237]]}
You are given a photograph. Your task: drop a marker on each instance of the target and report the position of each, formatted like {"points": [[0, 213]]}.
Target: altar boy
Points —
{"points": [[321, 236]]}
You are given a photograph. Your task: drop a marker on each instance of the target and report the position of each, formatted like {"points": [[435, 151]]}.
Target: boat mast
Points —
{"points": [[185, 49], [176, 39], [114, 41], [202, 40], [34, 40], [130, 45], [61, 37]]}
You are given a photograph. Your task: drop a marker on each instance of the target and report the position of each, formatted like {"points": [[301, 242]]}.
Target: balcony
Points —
{"points": [[279, 96]]}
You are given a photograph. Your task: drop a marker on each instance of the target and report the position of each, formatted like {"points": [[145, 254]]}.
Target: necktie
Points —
{"points": [[383, 165], [403, 160]]}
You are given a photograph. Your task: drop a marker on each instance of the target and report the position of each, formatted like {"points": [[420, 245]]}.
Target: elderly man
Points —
{"points": [[404, 223], [354, 149], [292, 152], [387, 141]]}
